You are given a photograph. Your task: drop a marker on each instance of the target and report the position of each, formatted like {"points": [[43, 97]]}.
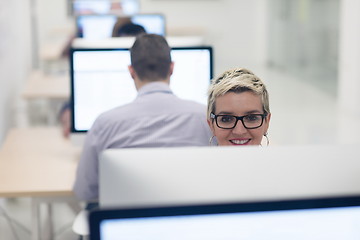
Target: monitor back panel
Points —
{"points": [[190, 175]]}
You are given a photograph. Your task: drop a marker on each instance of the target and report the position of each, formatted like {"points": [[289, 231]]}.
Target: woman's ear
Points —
{"points": [[267, 122], [211, 125]]}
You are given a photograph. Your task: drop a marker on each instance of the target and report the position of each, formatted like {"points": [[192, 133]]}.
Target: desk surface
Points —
{"points": [[39, 85], [37, 162]]}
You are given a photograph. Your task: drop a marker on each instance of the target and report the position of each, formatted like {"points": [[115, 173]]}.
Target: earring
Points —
{"points": [[211, 140], [267, 139]]}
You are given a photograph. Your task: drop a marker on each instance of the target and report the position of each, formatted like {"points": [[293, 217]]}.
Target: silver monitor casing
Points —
{"points": [[192, 175]]}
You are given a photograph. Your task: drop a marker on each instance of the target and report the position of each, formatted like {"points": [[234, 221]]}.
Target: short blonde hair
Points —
{"points": [[237, 80]]}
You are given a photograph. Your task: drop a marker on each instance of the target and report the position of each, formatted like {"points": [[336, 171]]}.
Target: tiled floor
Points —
{"points": [[301, 114]]}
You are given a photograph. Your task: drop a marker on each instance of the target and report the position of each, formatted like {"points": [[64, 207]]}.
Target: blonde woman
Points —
{"points": [[238, 109]]}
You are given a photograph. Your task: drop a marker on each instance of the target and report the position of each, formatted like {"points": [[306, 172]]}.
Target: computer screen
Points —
{"points": [[304, 219], [100, 80], [128, 7], [153, 23], [97, 27]]}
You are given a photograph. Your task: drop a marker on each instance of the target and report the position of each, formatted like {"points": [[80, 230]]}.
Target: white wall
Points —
{"points": [[349, 71], [52, 19], [235, 28], [349, 57], [15, 58]]}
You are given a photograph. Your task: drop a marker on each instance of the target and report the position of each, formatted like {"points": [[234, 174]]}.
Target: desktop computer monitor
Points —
{"points": [[97, 27], [303, 219], [127, 7], [153, 23], [199, 175], [100, 80]]}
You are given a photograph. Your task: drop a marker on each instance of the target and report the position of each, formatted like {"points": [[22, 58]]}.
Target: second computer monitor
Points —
{"points": [[100, 80], [81, 7], [97, 27]]}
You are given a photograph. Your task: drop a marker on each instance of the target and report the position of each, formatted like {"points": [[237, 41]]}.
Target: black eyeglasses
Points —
{"points": [[250, 121]]}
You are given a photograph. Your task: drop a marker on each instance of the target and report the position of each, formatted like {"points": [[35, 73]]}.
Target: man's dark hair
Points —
{"points": [[130, 29], [150, 57]]}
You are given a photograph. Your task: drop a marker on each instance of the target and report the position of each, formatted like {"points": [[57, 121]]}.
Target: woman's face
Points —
{"points": [[239, 104]]}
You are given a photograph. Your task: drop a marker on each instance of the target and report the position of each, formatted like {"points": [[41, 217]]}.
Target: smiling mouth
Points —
{"points": [[240, 142]]}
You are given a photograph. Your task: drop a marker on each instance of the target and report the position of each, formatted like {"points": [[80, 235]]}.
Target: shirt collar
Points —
{"points": [[154, 87]]}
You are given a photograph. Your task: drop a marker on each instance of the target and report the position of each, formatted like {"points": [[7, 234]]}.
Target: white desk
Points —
{"points": [[40, 85], [44, 95], [38, 163], [127, 42]]}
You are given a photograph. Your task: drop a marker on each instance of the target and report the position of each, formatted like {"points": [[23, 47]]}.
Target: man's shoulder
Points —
{"points": [[134, 110], [117, 113], [192, 105]]}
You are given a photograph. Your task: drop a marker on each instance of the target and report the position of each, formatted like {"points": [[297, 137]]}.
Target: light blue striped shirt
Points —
{"points": [[156, 118]]}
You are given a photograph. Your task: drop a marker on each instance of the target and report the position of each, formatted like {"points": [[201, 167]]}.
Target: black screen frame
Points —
{"points": [[99, 215]]}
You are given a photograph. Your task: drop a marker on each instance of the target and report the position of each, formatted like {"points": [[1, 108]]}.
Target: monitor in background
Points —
{"points": [[130, 7], [199, 175], [305, 219], [100, 80], [127, 7], [153, 23], [97, 27]]}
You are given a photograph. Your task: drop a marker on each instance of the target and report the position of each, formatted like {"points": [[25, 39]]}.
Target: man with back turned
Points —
{"points": [[156, 118]]}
